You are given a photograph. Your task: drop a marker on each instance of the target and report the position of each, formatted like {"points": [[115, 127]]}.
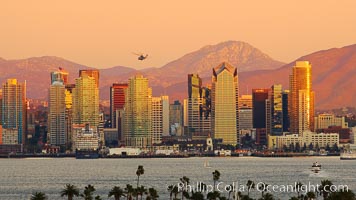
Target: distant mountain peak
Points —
{"points": [[240, 54]]}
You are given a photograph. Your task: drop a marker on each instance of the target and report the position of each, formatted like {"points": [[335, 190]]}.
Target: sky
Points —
{"points": [[104, 34]]}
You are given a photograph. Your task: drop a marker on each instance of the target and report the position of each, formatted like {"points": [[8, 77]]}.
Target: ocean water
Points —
{"points": [[19, 178]]}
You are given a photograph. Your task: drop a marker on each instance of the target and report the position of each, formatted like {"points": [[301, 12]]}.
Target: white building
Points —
{"points": [[323, 121], [308, 137], [160, 118]]}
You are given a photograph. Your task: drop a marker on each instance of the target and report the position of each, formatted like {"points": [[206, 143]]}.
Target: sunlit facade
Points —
{"points": [[14, 108], [86, 101], [138, 113], [57, 114], [160, 118], [274, 120], [224, 112], [301, 98]]}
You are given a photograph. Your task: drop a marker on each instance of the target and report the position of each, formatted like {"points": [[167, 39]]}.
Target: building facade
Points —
{"points": [[176, 118], [224, 104], [138, 113], [14, 108], [198, 108], [160, 118], [323, 121], [57, 114], [86, 100], [301, 98], [117, 101]]}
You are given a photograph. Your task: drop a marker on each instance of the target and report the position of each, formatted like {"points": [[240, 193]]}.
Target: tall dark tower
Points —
{"points": [[259, 97]]}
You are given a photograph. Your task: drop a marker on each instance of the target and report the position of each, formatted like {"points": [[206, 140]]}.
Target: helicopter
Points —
{"points": [[141, 56]]}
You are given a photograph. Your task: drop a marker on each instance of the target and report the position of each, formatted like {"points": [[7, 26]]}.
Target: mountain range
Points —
{"points": [[333, 72]]}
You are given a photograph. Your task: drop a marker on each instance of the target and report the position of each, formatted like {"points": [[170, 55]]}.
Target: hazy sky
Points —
{"points": [[105, 33]]}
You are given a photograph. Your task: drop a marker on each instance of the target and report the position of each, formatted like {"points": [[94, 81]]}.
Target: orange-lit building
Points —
{"points": [[301, 99]]}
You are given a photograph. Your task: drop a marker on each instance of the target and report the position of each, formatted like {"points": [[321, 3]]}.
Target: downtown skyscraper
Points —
{"points": [[160, 118], [117, 102], [198, 108], [14, 112], [137, 118], [301, 98], [224, 104], [57, 113], [86, 98]]}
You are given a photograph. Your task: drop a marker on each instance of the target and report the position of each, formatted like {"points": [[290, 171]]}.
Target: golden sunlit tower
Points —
{"points": [[86, 101], [57, 114], [137, 116], [301, 98], [224, 95], [14, 109], [91, 73]]}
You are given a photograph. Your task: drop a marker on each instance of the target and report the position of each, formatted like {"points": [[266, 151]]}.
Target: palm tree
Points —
{"points": [[197, 196], [342, 195], [324, 188], [70, 191], [298, 188], [216, 177], [267, 196], [38, 196], [152, 194], [88, 192], [117, 192], [170, 190], [140, 191], [310, 196], [185, 181], [175, 191], [129, 190], [213, 195], [140, 171], [250, 185], [230, 191], [263, 188]]}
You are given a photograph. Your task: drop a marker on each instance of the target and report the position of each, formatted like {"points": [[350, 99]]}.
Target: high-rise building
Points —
{"points": [[160, 118], [176, 118], [117, 100], [69, 112], [224, 104], [60, 76], [91, 73], [286, 124], [301, 98], [259, 97], [193, 103], [245, 101], [57, 114], [14, 108], [274, 111], [86, 100], [245, 118], [138, 113], [0, 107], [199, 108]]}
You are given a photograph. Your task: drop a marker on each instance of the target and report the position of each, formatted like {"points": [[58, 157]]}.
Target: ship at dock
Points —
{"points": [[86, 142], [349, 152]]}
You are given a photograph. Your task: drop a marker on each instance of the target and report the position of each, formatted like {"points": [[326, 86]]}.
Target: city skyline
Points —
{"points": [[69, 30]]}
